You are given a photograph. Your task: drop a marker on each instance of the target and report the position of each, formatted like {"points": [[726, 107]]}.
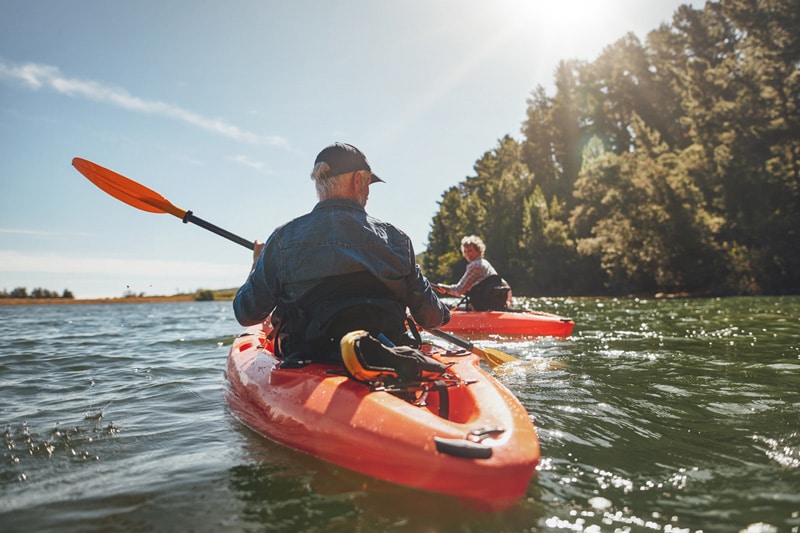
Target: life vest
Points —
{"points": [[490, 294], [310, 329]]}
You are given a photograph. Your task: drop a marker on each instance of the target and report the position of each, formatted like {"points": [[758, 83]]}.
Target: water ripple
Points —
{"points": [[655, 415]]}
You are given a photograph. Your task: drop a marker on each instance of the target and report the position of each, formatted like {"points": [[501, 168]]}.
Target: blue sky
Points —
{"points": [[221, 107]]}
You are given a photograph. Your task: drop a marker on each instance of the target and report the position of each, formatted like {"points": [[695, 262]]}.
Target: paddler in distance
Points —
{"points": [[483, 286]]}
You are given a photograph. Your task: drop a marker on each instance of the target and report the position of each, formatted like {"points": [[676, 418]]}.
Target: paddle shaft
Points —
{"points": [[458, 341], [191, 217]]}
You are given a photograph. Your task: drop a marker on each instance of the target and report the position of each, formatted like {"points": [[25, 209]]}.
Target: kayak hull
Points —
{"points": [[531, 323], [475, 441]]}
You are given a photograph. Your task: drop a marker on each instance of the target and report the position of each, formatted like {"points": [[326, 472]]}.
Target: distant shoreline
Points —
{"points": [[201, 295], [121, 300]]}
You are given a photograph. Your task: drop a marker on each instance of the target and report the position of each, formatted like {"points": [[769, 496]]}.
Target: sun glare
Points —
{"points": [[572, 28]]}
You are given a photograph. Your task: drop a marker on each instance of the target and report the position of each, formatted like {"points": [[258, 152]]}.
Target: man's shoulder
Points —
{"points": [[388, 227], [289, 229], [300, 220]]}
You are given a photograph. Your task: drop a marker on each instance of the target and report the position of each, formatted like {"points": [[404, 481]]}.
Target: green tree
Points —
{"points": [[568, 137], [645, 220], [538, 148], [671, 166], [204, 295], [19, 292], [547, 252], [486, 204]]}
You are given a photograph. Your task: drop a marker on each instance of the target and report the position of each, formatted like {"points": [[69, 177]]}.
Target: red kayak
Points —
{"points": [[533, 323], [464, 435]]}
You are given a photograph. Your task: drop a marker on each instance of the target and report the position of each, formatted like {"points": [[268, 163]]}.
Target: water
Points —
{"points": [[656, 415]]}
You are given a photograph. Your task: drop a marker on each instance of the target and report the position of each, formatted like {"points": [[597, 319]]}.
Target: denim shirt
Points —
{"points": [[336, 237]]}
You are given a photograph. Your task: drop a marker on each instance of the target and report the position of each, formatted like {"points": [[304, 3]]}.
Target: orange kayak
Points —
{"points": [[533, 323], [466, 436]]}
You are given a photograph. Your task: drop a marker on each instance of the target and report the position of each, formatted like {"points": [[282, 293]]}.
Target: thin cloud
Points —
{"points": [[17, 262], [250, 163], [37, 77], [40, 233]]}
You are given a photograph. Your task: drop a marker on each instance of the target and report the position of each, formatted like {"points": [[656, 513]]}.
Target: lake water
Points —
{"points": [[655, 415]]}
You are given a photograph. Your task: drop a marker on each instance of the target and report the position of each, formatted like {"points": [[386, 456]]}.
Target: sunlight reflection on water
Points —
{"points": [[655, 415]]}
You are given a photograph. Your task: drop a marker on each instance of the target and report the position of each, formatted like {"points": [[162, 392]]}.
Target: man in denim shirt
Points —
{"points": [[336, 238]]}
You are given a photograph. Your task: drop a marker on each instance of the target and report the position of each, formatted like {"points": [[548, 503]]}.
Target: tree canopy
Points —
{"points": [[666, 166]]}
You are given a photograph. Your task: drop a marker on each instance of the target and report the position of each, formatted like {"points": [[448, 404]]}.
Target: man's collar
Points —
{"points": [[339, 202]]}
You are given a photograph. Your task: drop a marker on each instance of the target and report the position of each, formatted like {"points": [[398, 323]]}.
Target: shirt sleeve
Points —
{"points": [[255, 299], [426, 308], [472, 275]]}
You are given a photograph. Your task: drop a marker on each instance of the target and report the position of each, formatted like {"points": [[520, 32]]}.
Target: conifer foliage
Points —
{"points": [[666, 166]]}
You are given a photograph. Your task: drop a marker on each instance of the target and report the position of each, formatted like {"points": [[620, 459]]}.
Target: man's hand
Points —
{"points": [[438, 288], [257, 248]]}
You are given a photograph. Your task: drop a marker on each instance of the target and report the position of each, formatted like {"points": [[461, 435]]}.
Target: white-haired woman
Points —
{"points": [[481, 283]]}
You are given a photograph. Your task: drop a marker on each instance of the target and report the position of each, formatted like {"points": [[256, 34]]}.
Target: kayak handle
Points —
{"points": [[462, 448]]}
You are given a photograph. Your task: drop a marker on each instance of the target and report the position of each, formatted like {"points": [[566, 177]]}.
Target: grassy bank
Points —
{"points": [[217, 295]]}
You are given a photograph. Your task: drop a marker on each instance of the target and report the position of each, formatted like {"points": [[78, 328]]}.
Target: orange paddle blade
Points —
{"points": [[126, 190]]}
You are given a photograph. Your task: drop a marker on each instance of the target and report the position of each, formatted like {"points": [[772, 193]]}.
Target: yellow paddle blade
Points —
{"points": [[493, 358], [126, 190]]}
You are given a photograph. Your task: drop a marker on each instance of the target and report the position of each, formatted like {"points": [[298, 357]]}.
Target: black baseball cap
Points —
{"points": [[343, 158]]}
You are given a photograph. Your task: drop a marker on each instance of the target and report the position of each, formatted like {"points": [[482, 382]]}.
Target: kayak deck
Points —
{"points": [[471, 439], [533, 323]]}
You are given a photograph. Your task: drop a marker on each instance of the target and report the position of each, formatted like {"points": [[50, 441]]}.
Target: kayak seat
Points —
{"points": [[368, 360]]}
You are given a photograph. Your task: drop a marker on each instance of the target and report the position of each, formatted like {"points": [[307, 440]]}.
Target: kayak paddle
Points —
{"points": [[493, 358], [140, 197]]}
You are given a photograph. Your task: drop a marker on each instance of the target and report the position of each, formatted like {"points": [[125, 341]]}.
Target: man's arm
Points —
{"points": [[472, 275], [425, 306], [254, 300]]}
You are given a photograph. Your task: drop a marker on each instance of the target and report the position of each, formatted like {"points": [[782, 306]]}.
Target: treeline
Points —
{"points": [[22, 292], [669, 166]]}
